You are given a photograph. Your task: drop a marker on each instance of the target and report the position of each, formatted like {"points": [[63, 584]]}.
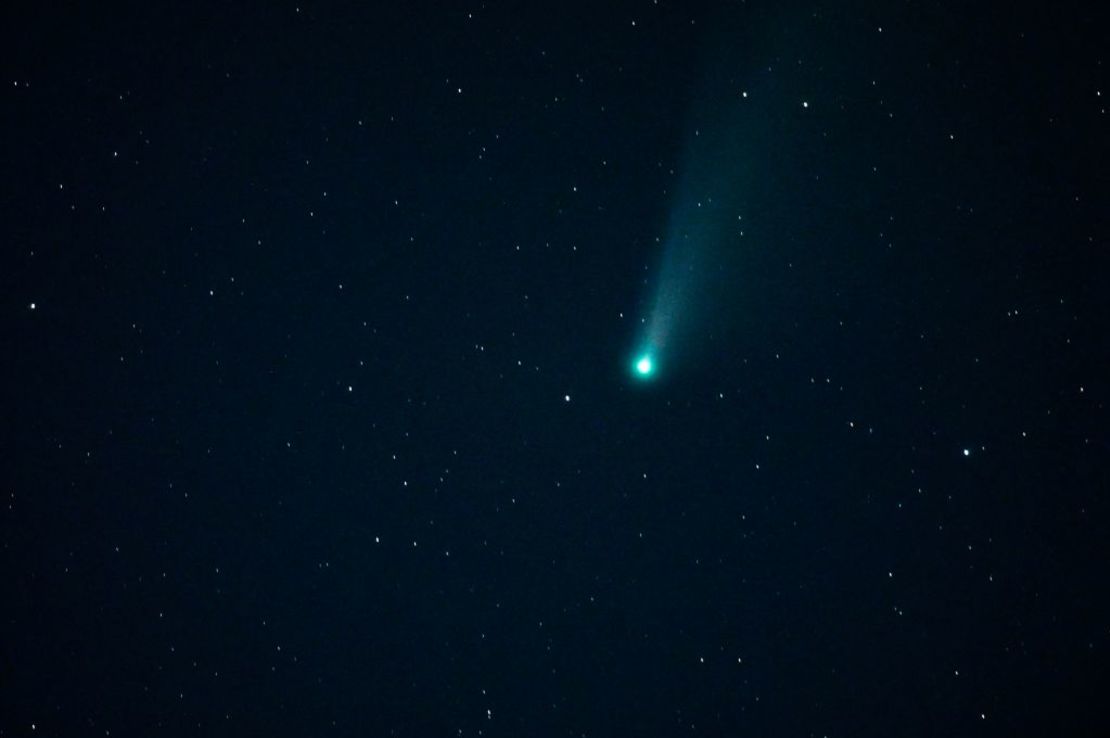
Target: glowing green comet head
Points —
{"points": [[644, 366]]}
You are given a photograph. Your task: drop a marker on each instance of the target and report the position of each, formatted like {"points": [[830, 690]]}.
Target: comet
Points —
{"points": [[694, 283]]}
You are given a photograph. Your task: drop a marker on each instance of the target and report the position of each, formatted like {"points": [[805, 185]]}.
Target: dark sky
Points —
{"points": [[318, 416]]}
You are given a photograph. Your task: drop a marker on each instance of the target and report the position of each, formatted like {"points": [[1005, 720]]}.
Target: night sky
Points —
{"points": [[321, 412]]}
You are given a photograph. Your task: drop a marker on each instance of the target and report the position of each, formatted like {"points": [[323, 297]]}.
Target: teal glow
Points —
{"points": [[645, 366]]}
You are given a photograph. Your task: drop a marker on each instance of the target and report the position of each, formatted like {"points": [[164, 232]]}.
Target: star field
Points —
{"points": [[328, 407]]}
